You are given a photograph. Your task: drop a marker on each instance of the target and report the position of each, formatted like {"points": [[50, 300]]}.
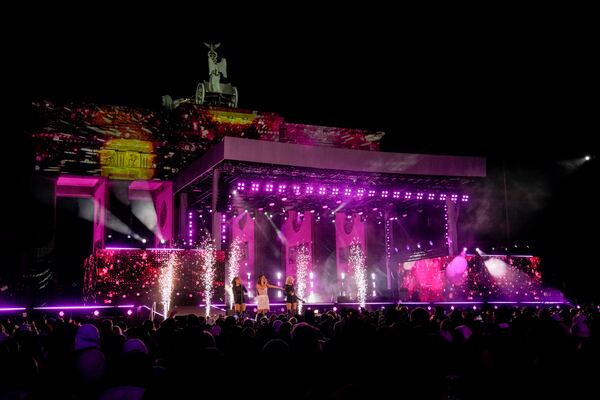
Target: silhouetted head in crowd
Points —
{"points": [[419, 317]]}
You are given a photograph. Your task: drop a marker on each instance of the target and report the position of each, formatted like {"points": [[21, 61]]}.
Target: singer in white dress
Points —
{"points": [[262, 298]]}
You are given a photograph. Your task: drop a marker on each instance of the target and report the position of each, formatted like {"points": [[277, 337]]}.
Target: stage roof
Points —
{"points": [[243, 157]]}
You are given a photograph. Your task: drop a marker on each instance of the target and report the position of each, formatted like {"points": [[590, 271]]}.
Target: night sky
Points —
{"points": [[517, 91]]}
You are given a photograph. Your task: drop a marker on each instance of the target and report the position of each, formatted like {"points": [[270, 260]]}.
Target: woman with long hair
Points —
{"points": [[262, 298], [239, 298]]}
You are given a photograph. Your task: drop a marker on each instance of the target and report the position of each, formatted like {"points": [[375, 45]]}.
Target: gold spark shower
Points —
{"points": [[302, 264], [208, 270], [166, 283], [233, 266], [357, 263]]}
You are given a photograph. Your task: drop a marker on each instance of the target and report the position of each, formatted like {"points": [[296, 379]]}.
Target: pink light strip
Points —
{"points": [[81, 307]]}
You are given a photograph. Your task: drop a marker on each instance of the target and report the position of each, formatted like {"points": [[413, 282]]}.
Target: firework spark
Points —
{"points": [[166, 283], [357, 262], [208, 271], [302, 264], [233, 268]]}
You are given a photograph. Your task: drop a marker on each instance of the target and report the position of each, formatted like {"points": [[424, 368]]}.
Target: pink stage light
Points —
{"points": [[309, 190], [335, 191], [443, 196], [269, 187], [431, 196], [255, 187], [129, 312], [347, 192], [96, 313], [61, 314], [322, 190], [419, 196], [281, 189], [396, 195], [384, 193], [465, 197], [454, 197], [371, 193], [360, 193]]}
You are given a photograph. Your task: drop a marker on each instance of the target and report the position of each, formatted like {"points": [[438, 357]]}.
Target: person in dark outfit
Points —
{"points": [[291, 300], [239, 295]]}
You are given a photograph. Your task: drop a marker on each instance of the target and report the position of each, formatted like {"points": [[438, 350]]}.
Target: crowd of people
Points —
{"points": [[347, 353]]}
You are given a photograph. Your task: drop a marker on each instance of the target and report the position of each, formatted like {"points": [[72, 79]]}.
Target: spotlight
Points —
{"points": [[334, 309], [129, 312], [587, 158], [109, 236], [128, 236], [477, 249], [96, 313], [144, 240], [163, 241], [61, 314]]}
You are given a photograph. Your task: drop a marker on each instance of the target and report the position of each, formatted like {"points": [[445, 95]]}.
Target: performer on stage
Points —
{"points": [[291, 300], [262, 300], [239, 298]]}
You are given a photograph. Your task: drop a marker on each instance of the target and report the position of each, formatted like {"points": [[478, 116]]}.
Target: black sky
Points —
{"points": [[471, 86]]}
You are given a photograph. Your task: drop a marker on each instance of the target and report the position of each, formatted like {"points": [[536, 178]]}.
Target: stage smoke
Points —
{"points": [[496, 267], [455, 271], [146, 213], [110, 221]]}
